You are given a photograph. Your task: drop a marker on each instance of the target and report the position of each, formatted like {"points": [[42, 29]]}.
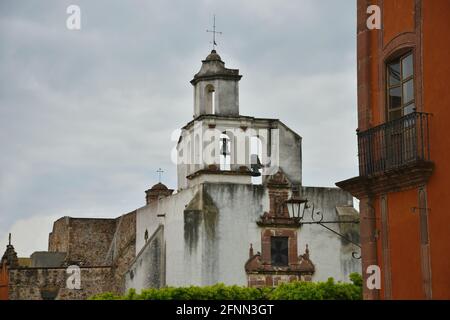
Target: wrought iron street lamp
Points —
{"points": [[297, 207]]}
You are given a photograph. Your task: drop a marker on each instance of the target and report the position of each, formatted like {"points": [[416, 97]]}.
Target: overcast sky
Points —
{"points": [[86, 116]]}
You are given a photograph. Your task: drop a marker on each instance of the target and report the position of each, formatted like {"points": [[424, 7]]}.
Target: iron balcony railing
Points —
{"points": [[394, 144]]}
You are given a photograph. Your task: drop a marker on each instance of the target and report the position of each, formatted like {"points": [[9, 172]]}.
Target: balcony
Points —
{"points": [[393, 156], [395, 144]]}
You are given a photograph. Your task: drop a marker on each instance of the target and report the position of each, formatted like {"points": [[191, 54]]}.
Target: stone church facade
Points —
{"points": [[228, 220]]}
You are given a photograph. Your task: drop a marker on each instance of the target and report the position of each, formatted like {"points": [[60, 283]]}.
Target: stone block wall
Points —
{"points": [[84, 240], [90, 240], [122, 250], [37, 283], [109, 243], [45, 259], [58, 239]]}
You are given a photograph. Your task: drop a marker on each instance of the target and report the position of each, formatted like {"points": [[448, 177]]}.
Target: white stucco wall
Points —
{"points": [[289, 153], [331, 255], [221, 257], [281, 147], [206, 247], [226, 97], [147, 219], [218, 178]]}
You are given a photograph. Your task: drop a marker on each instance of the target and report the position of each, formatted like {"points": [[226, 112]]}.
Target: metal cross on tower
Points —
{"points": [[213, 31], [160, 171]]}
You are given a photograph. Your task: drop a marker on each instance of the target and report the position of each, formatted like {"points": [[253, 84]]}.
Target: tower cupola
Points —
{"points": [[216, 88]]}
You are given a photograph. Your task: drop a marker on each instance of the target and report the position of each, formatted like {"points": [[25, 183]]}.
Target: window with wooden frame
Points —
{"points": [[400, 86]]}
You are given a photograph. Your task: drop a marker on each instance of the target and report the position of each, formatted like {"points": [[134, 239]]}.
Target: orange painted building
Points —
{"points": [[4, 281], [404, 147]]}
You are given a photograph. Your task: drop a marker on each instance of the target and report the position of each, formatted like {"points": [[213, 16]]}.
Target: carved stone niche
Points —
{"points": [[278, 187], [262, 273], [278, 260]]}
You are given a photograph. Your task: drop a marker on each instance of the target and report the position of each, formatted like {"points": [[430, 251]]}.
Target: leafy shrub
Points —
{"points": [[107, 296], [329, 290], [356, 278]]}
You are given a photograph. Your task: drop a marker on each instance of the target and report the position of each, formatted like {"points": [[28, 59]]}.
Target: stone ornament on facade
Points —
{"points": [[10, 256], [158, 191], [279, 187], [263, 273], [279, 260]]}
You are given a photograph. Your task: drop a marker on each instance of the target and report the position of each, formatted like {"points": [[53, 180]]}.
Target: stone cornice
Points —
{"points": [[220, 172], [217, 76]]}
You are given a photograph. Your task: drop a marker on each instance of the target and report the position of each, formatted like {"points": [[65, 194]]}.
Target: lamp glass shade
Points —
{"points": [[296, 207]]}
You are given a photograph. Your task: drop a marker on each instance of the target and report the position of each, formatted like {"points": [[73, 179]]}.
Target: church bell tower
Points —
{"points": [[216, 88]]}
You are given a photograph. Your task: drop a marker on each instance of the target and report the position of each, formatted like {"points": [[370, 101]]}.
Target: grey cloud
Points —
{"points": [[86, 116]]}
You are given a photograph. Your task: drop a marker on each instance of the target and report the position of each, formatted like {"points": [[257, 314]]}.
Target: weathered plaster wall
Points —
{"points": [[331, 254], [220, 178], [199, 250], [204, 248], [239, 207], [226, 97], [148, 269], [172, 208], [289, 155]]}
